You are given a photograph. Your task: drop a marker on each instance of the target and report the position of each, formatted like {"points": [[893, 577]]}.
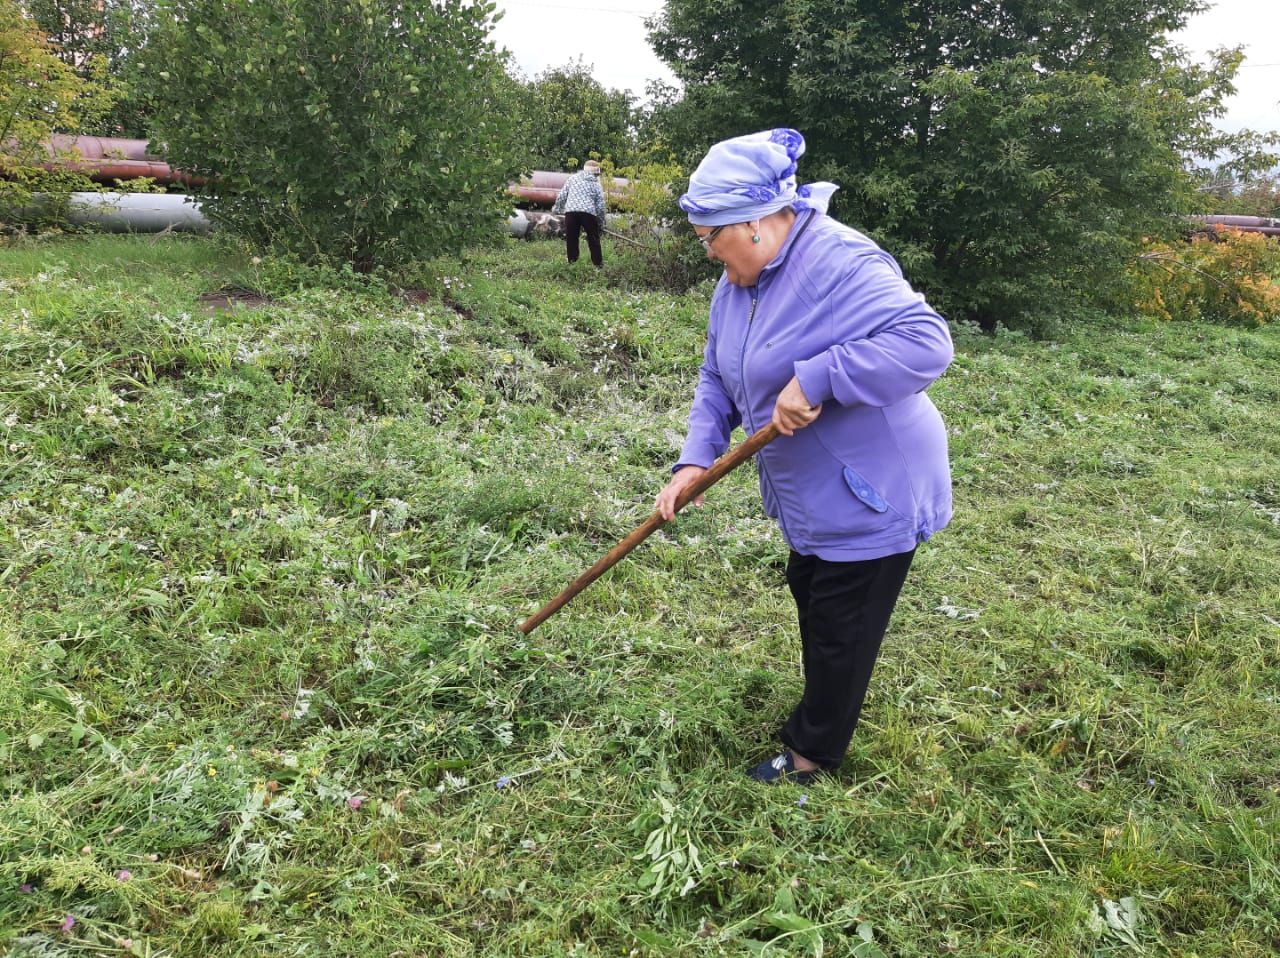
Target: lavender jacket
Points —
{"points": [[870, 476]]}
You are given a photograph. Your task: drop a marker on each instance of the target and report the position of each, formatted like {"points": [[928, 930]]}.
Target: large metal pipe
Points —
{"points": [[105, 159], [134, 212], [1246, 224], [157, 212], [1232, 220], [542, 186]]}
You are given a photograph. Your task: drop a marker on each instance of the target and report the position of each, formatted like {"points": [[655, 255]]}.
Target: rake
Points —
{"points": [[719, 469]]}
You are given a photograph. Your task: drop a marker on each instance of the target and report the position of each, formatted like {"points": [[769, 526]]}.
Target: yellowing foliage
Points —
{"points": [[39, 94], [1229, 277]]}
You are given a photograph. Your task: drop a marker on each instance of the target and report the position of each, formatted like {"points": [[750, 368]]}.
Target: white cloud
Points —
{"points": [[1255, 26], [610, 36]]}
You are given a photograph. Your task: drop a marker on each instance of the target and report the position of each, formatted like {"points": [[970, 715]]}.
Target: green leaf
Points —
{"points": [[788, 921]]}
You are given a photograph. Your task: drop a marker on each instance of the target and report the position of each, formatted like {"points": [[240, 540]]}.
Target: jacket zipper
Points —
{"points": [[742, 364], [746, 393]]}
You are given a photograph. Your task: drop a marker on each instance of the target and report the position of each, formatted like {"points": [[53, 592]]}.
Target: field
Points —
{"points": [[261, 567]]}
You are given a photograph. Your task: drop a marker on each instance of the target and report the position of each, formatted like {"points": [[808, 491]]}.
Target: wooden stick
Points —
{"points": [[722, 467]]}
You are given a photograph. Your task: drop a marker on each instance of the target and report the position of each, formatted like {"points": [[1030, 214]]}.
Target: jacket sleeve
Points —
{"points": [[558, 206], [889, 343], [600, 203], [713, 416]]}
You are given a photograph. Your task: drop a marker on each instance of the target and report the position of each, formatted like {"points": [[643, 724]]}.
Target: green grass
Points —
{"points": [[261, 567]]}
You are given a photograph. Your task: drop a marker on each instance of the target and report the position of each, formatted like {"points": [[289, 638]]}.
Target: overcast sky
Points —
{"points": [[609, 36]]}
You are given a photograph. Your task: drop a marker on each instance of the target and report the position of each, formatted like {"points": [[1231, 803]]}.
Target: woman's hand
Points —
{"points": [[792, 410], [681, 481]]}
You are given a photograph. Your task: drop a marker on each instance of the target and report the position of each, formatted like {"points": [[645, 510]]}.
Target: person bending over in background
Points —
{"points": [[581, 199], [813, 328]]}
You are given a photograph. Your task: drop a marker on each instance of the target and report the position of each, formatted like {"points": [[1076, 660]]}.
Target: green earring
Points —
{"points": [[756, 238]]}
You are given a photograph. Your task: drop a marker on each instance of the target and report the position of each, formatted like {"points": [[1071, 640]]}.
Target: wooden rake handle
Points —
{"points": [[719, 469]]}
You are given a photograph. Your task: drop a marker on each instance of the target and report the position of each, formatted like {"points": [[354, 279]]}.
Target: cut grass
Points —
{"points": [[261, 571]]}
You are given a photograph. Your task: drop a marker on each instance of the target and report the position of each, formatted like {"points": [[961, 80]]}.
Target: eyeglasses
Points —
{"points": [[707, 240]]}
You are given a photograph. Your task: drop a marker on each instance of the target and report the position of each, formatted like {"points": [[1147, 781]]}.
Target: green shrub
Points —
{"points": [[1257, 195], [103, 42], [1229, 278], [32, 198], [667, 255], [569, 117], [370, 133]]}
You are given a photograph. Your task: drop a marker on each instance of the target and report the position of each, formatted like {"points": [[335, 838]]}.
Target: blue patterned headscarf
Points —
{"points": [[751, 176]]}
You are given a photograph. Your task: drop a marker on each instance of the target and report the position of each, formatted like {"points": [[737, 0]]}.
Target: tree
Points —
{"points": [[1011, 155], [569, 116], [1254, 195], [102, 40], [366, 131], [39, 95]]}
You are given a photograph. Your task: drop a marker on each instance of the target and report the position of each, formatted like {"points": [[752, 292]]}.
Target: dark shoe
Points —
{"points": [[781, 768]]}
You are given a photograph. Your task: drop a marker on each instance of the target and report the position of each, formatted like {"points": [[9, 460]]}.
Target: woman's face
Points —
{"points": [[731, 245]]}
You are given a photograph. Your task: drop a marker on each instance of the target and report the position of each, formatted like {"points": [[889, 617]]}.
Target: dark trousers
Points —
{"points": [[573, 223], [844, 609]]}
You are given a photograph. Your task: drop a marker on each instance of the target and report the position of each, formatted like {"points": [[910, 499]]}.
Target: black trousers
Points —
{"points": [[844, 609], [575, 222]]}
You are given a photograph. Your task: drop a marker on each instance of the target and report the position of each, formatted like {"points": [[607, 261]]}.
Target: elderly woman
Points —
{"points": [[581, 200], [813, 328]]}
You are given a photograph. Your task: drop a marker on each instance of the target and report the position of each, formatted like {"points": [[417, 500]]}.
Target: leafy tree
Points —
{"points": [[39, 95], [1247, 179], [1011, 154], [1251, 196], [569, 116], [366, 131], [102, 41]]}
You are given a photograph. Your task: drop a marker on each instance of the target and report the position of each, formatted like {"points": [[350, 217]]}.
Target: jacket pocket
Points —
{"points": [[864, 491], [841, 506]]}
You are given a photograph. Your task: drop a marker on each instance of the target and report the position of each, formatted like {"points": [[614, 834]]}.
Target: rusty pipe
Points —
{"points": [[107, 158]]}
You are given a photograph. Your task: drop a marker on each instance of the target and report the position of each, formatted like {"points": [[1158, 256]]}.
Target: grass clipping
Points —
{"points": [[263, 693]]}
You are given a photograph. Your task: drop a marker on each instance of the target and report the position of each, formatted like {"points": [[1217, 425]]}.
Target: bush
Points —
{"points": [[649, 189], [670, 257], [1229, 277], [1257, 196], [569, 116], [370, 133], [103, 41]]}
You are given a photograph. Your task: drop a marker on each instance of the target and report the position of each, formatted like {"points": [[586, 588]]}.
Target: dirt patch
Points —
{"points": [[230, 297]]}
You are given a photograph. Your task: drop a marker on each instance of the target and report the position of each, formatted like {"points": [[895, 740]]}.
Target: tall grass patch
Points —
{"points": [[261, 572]]}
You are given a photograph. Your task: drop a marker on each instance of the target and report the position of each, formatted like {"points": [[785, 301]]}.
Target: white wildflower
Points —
{"points": [[452, 783], [302, 703]]}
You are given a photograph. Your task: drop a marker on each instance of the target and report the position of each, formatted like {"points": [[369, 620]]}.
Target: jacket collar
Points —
{"points": [[802, 221]]}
